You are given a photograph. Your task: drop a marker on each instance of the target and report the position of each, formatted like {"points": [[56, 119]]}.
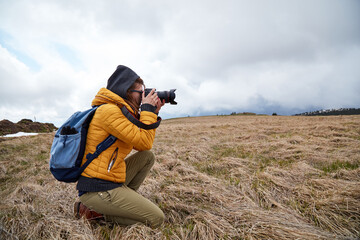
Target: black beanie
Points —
{"points": [[121, 80]]}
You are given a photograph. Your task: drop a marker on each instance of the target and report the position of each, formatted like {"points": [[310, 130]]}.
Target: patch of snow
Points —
{"points": [[20, 134]]}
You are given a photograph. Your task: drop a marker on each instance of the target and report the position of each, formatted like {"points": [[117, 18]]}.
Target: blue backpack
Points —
{"points": [[68, 147]]}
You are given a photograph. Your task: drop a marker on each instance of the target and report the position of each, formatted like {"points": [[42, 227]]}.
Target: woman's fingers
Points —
{"points": [[151, 98]]}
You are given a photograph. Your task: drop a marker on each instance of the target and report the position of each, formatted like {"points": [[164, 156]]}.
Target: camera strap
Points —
{"points": [[137, 122]]}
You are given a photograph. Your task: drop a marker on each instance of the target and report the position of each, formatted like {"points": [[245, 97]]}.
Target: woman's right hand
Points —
{"points": [[152, 98]]}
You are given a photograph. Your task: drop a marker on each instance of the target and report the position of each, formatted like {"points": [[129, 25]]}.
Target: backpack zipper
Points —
{"points": [[113, 159]]}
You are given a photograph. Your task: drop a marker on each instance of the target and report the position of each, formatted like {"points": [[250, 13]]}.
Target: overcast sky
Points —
{"points": [[284, 56]]}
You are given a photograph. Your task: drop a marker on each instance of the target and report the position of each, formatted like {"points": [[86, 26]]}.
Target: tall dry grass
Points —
{"points": [[225, 177]]}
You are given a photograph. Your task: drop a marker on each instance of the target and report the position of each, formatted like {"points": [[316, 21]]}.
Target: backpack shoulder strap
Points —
{"points": [[110, 140]]}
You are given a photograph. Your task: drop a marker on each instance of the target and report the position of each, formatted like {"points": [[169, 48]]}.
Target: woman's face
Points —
{"points": [[136, 96]]}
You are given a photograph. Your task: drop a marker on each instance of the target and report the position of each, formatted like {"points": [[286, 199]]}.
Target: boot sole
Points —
{"points": [[76, 210]]}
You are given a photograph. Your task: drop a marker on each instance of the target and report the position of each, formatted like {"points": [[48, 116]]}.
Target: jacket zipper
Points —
{"points": [[113, 159]]}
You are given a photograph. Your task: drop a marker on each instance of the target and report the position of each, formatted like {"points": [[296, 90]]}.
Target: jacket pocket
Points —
{"points": [[112, 159]]}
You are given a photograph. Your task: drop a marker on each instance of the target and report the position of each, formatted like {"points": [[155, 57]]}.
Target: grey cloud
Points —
{"points": [[220, 55], [288, 31]]}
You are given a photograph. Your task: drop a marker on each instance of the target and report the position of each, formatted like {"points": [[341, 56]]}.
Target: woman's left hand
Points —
{"points": [[159, 104]]}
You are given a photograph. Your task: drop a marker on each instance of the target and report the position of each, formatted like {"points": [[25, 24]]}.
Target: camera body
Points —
{"points": [[168, 96]]}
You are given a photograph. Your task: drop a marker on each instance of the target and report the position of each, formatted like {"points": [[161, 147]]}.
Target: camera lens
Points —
{"points": [[168, 96]]}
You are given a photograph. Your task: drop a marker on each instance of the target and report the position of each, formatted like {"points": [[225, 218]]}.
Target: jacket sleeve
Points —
{"points": [[116, 124]]}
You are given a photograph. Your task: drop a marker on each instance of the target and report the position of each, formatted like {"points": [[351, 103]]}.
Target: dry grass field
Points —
{"points": [[218, 177]]}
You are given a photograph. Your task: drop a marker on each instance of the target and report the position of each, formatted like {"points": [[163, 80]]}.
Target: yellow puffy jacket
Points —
{"points": [[108, 119]]}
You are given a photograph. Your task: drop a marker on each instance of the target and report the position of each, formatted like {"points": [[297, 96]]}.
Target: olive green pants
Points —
{"points": [[124, 205]]}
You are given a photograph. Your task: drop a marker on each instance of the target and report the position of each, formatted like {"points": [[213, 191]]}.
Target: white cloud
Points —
{"points": [[220, 56]]}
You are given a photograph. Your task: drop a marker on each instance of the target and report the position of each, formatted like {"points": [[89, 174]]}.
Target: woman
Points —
{"points": [[107, 187]]}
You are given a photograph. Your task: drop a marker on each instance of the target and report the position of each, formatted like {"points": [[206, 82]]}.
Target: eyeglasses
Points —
{"points": [[137, 91]]}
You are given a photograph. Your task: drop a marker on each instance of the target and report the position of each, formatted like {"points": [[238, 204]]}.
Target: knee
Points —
{"points": [[149, 156], [158, 219]]}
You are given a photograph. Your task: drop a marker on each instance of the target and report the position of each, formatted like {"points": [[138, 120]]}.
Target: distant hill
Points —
{"points": [[243, 113], [328, 112], [24, 125]]}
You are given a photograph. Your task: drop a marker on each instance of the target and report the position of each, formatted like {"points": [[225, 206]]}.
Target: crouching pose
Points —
{"points": [[107, 188]]}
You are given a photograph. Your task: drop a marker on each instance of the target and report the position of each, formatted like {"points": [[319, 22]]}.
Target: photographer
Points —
{"points": [[107, 188]]}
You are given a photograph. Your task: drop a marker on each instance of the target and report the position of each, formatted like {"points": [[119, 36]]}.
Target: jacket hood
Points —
{"points": [[121, 80]]}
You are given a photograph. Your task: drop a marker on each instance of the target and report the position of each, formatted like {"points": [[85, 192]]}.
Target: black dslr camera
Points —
{"points": [[169, 96]]}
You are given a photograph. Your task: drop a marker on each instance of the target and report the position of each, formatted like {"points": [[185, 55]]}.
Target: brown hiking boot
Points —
{"points": [[80, 210]]}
